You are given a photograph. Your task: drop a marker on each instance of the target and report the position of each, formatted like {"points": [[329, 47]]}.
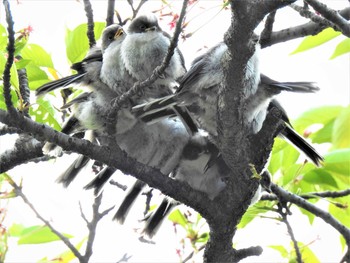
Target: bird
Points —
{"points": [[198, 94], [144, 49]]}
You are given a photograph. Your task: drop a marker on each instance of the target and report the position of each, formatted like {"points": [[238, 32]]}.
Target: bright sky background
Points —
{"points": [[49, 18]]}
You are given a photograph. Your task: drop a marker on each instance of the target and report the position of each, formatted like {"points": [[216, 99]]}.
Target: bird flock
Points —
{"points": [[170, 125]]}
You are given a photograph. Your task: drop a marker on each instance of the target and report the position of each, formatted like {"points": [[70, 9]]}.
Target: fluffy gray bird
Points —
{"points": [[198, 93], [144, 49]]}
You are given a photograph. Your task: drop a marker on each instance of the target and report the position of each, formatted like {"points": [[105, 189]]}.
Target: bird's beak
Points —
{"points": [[119, 33], [151, 29]]}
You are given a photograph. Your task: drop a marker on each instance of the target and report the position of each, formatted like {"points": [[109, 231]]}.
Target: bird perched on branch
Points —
{"points": [[199, 89], [145, 48]]}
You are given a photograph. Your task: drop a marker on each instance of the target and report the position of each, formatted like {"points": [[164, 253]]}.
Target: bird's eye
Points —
{"points": [[142, 27], [110, 37]]}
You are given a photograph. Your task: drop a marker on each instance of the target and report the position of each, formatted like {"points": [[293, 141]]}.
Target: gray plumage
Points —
{"points": [[144, 49]]}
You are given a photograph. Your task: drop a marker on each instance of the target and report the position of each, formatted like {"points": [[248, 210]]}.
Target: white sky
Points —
{"points": [[48, 19]]}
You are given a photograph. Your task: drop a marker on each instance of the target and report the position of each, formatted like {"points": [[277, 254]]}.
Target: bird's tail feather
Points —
{"points": [[72, 171], [154, 222], [302, 87], [60, 83], [101, 178], [128, 201], [299, 142]]}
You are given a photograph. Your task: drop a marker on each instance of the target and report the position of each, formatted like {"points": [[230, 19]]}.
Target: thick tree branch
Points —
{"points": [[90, 23], [116, 158], [331, 15], [307, 29], [8, 130], [26, 149], [10, 57], [304, 12]]}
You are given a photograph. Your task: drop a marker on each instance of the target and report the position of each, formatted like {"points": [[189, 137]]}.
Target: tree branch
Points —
{"points": [[110, 12], [304, 12], [331, 15], [326, 194], [285, 196], [65, 240], [8, 130], [92, 225], [284, 215], [10, 57], [90, 23], [26, 148], [118, 159], [24, 91], [307, 29]]}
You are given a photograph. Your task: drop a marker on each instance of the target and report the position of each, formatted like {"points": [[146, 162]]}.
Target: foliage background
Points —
{"points": [[62, 207]]}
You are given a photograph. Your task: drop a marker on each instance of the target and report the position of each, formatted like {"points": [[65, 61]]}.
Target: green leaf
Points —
{"points": [[309, 215], [2, 99], [342, 48], [324, 134], [3, 38], [322, 115], [178, 218], [290, 156], [37, 55], [296, 170], [77, 43], [16, 230], [281, 249], [13, 71], [44, 112], [306, 252], [253, 211], [38, 235], [203, 238], [338, 161], [341, 130], [342, 214], [66, 256], [317, 40], [320, 177]]}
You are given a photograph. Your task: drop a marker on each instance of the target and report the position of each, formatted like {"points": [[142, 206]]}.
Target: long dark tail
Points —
{"points": [[156, 219], [60, 83], [294, 138], [72, 171], [100, 180], [128, 201], [300, 86]]}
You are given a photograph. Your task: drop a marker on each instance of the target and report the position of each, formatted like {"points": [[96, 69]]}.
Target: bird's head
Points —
{"points": [[144, 24], [112, 33]]}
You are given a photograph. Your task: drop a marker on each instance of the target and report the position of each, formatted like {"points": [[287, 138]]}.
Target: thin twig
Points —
{"points": [[92, 225], [327, 217], [65, 240], [284, 216], [326, 194], [110, 12], [10, 57], [332, 15], [90, 23], [192, 253]]}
